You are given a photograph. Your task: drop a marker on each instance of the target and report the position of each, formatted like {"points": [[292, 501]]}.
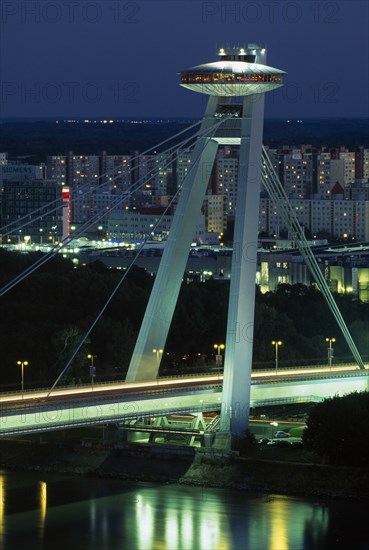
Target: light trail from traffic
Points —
{"points": [[169, 383]]}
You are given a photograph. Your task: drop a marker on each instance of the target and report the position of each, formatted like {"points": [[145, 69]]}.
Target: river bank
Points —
{"points": [[187, 466]]}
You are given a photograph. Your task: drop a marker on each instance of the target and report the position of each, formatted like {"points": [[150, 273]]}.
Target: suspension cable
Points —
{"points": [[278, 195], [116, 288]]}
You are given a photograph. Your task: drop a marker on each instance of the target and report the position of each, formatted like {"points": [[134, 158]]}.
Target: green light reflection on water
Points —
{"points": [[188, 522], [144, 523]]}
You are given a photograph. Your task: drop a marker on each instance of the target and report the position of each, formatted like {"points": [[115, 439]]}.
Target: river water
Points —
{"points": [[50, 511]]}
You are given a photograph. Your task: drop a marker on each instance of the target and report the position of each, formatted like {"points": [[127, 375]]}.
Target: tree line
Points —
{"points": [[338, 430], [45, 317]]}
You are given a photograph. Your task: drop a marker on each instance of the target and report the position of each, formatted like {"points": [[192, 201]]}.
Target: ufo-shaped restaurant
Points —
{"points": [[235, 74]]}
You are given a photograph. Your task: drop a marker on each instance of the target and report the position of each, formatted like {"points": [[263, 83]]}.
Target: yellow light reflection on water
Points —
{"points": [[278, 539], [43, 498], [2, 508], [43, 504]]}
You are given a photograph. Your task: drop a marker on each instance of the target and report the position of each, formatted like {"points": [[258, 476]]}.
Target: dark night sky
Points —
{"points": [[119, 58]]}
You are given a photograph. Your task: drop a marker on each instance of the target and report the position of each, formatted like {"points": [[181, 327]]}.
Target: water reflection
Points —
{"points": [[187, 530], [144, 517], [171, 529], [2, 508], [43, 506], [317, 527], [278, 525], [106, 514], [165, 518]]}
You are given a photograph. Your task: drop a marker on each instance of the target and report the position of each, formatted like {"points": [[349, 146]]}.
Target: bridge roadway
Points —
{"points": [[111, 403]]}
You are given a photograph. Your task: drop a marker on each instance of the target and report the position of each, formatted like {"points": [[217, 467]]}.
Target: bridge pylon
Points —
{"points": [[236, 85]]}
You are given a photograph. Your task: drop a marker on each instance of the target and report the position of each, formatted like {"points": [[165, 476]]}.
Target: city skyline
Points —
{"points": [[93, 59]]}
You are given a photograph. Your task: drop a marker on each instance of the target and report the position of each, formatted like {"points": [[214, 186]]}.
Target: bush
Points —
{"points": [[338, 429], [297, 431], [246, 444]]}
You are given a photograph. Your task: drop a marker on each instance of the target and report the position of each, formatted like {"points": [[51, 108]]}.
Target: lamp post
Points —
{"points": [[218, 357], [276, 344], [330, 350], [92, 369], [158, 354], [273, 425], [22, 364]]}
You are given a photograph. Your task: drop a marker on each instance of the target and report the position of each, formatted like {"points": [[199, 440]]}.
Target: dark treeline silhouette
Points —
{"points": [[338, 430], [44, 318], [36, 139]]}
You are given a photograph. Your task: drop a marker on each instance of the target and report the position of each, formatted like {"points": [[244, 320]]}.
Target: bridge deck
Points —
{"points": [[110, 403]]}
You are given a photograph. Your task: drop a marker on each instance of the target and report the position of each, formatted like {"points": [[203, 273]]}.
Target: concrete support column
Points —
{"points": [[158, 316], [240, 327]]}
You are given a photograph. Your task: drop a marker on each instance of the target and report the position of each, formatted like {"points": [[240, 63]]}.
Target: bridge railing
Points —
{"points": [[286, 400], [317, 376], [98, 383]]}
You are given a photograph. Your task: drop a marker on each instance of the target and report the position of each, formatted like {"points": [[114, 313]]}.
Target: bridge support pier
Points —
{"points": [[241, 308]]}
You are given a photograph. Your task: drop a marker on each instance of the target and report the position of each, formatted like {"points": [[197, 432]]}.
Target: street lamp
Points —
{"points": [[22, 364], [273, 425], [218, 357], [330, 350], [92, 369], [276, 344], [158, 354]]}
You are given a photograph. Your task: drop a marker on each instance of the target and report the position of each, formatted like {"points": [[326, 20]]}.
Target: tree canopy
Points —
{"points": [[45, 317], [338, 429]]}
